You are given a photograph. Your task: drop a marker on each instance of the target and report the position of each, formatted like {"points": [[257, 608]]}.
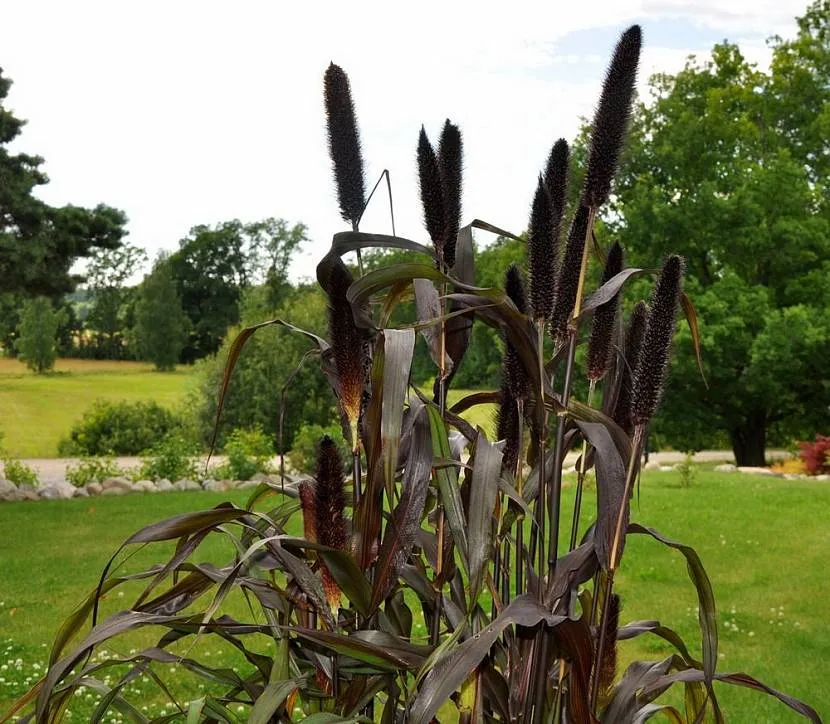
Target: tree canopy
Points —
{"points": [[729, 166], [39, 243]]}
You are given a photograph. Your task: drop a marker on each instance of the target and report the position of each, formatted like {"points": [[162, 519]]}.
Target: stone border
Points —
{"points": [[63, 490]]}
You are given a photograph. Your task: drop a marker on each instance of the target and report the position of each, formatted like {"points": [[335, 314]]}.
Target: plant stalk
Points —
{"points": [[580, 481], [442, 407], [636, 447], [519, 558]]}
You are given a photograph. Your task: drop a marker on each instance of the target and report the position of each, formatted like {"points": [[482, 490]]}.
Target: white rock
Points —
{"points": [[145, 486], [260, 478], [823, 476], [94, 488], [755, 471], [216, 486], [118, 482], [652, 465], [725, 468], [81, 493], [115, 491], [185, 484], [667, 468], [59, 490], [206, 482], [794, 476], [6, 486], [248, 484], [164, 485]]}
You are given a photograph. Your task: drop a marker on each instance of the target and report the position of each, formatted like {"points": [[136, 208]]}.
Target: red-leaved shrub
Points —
{"points": [[816, 455]]}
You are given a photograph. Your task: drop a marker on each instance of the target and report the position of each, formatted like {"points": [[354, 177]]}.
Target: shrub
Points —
{"points": [[816, 455], [172, 458], [248, 451], [19, 473], [119, 428], [687, 470], [92, 470], [304, 448]]}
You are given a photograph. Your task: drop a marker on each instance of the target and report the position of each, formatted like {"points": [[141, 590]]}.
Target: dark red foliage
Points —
{"points": [[816, 455]]}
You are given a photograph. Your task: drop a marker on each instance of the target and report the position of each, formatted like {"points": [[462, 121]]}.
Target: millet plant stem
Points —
{"points": [[520, 404], [439, 521], [636, 448], [580, 481], [542, 503]]}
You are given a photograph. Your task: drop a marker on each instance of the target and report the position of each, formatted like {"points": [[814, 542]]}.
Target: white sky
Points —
{"points": [[183, 113]]}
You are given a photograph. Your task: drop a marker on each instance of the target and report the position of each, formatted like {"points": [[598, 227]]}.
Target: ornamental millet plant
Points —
{"points": [[439, 585]]}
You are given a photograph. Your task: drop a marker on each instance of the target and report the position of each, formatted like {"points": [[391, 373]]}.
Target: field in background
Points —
{"points": [[761, 540], [37, 411]]}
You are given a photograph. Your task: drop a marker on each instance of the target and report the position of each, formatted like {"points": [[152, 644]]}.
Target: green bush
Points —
{"points": [[248, 451], [172, 458], [19, 473], [92, 470], [306, 442], [119, 428]]}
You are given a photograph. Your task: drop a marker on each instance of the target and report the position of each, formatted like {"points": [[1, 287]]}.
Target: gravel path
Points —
{"points": [[54, 469]]}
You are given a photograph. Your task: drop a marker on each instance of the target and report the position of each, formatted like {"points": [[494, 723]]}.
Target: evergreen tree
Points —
{"points": [[160, 324]]}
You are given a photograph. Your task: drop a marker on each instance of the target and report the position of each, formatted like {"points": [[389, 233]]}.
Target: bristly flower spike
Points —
{"points": [[344, 144], [513, 369], [330, 503], [557, 176], [450, 164], [605, 316], [633, 343], [611, 119], [507, 426], [569, 276], [541, 255], [349, 347], [432, 192], [653, 360]]}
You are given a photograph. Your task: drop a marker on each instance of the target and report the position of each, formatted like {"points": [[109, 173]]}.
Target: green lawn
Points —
{"points": [[39, 410], [764, 543]]}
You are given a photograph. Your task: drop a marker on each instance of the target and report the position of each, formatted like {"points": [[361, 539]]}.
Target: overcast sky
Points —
{"points": [[184, 113]]}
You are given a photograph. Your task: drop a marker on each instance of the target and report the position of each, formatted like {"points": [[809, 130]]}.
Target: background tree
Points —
{"points": [[107, 274], [39, 243], [729, 166], [37, 334], [160, 324], [265, 365], [213, 267]]}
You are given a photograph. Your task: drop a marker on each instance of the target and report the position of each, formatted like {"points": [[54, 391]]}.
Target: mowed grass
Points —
{"points": [[39, 410], [763, 542]]}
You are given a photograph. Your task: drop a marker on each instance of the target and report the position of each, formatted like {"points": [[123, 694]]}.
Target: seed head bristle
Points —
{"points": [[330, 504], [605, 316], [432, 193], [557, 177], [308, 502], [450, 163], [514, 374], [568, 282], [608, 665], [633, 343], [653, 360], [541, 254], [344, 144], [611, 118], [347, 342], [507, 427]]}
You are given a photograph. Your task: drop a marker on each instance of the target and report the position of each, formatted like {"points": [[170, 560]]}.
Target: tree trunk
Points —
{"points": [[749, 441]]}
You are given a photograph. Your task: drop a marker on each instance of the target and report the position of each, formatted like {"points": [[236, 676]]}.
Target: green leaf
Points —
{"points": [[271, 699], [486, 463], [691, 318], [447, 481]]}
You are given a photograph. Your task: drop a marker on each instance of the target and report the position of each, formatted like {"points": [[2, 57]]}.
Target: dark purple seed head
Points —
{"points": [[568, 283], [450, 163], [557, 176], [605, 317], [344, 144], [432, 192], [611, 118], [541, 254], [653, 360], [633, 343]]}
